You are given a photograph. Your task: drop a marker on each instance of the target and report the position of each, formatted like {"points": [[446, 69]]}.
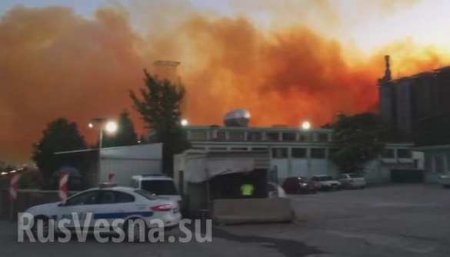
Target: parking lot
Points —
{"points": [[396, 220]]}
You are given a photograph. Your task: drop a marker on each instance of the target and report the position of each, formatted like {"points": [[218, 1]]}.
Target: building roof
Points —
{"points": [[434, 72]]}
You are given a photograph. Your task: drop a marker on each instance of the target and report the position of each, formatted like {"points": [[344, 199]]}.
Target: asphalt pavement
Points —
{"points": [[396, 220]]}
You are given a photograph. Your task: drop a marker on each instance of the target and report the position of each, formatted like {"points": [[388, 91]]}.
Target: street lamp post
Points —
{"points": [[102, 124], [306, 126]]}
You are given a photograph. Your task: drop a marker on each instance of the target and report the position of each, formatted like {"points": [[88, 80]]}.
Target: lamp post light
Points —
{"points": [[184, 122], [306, 125], [103, 125]]}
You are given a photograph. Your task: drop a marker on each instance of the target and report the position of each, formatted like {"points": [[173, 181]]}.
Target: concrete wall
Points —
{"points": [[437, 162], [237, 211], [196, 196], [126, 161], [403, 106], [386, 105]]}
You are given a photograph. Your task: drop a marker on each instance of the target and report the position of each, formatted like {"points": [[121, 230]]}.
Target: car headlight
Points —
{"points": [[304, 184]]}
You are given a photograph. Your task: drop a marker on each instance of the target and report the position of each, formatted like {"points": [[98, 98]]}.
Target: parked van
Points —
{"points": [[159, 185]]}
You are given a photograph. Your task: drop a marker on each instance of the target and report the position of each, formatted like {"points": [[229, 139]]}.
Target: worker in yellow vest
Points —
{"points": [[247, 190]]}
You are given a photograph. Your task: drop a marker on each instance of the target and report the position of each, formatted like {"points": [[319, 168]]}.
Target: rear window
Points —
{"points": [[159, 187], [145, 194]]}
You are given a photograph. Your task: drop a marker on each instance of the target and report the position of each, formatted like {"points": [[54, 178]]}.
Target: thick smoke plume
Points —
{"points": [[55, 63]]}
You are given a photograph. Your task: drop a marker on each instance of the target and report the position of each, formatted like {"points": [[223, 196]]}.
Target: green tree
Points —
{"points": [[357, 139], [159, 105], [126, 135], [60, 135]]}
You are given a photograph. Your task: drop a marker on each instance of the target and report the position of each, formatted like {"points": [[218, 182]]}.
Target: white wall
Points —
{"points": [[126, 161], [123, 169], [302, 167], [377, 172]]}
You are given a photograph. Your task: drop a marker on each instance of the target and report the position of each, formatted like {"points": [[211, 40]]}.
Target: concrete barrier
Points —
{"points": [[255, 210]]}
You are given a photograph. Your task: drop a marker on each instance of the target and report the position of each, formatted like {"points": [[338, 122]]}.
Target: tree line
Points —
{"points": [[159, 106]]}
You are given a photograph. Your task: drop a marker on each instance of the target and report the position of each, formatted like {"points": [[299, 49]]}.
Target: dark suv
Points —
{"points": [[298, 185]]}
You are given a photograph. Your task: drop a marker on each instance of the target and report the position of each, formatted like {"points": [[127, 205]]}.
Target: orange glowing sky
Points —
{"points": [[283, 60]]}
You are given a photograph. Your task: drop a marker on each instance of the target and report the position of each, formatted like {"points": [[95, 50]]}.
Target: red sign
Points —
{"points": [[63, 186], [13, 186]]}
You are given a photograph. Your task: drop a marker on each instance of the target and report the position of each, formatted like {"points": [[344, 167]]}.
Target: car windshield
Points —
{"points": [[325, 178], [159, 187], [354, 175]]}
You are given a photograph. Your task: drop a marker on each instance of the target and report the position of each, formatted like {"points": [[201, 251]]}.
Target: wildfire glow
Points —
{"points": [[56, 63]]}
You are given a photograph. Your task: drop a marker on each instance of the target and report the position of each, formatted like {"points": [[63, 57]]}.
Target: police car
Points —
{"points": [[109, 203]]}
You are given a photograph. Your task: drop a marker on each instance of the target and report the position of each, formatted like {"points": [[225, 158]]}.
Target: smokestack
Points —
{"points": [[166, 69], [387, 71]]}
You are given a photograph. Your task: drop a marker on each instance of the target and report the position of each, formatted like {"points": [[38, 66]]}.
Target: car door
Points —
{"points": [[114, 205], [78, 206]]}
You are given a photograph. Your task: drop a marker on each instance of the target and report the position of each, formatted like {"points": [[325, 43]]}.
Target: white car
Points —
{"points": [[444, 180], [325, 182], [110, 203], [352, 180], [160, 185]]}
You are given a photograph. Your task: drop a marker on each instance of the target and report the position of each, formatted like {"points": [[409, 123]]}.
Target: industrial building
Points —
{"points": [[407, 102], [295, 151], [419, 106]]}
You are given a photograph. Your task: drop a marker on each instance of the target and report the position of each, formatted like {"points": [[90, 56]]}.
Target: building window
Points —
{"points": [[273, 136], [318, 153], [259, 149], [236, 135], [298, 152], [322, 137], [197, 135], [404, 153], [388, 154], [217, 148], [279, 153], [218, 135], [239, 149], [254, 136], [288, 136], [303, 138]]}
